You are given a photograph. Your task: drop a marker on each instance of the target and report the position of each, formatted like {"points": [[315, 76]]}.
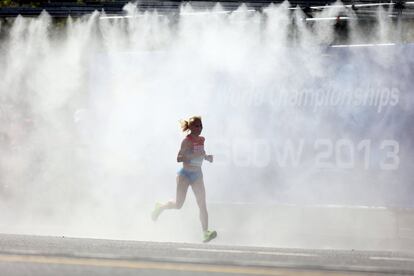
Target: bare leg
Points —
{"points": [[200, 194], [182, 187]]}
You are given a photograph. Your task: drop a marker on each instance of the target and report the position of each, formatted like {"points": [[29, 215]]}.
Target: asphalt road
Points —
{"points": [[42, 255]]}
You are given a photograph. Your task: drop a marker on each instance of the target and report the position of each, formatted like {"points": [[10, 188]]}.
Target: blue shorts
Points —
{"points": [[192, 176]]}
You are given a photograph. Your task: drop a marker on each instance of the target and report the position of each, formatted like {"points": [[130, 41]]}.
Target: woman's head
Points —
{"points": [[193, 124]]}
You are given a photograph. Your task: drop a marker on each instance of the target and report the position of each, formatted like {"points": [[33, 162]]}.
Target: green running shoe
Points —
{"points": [[209, 235], [157, 211]]}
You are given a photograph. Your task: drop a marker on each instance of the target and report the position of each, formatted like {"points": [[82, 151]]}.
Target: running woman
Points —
{"points": [[191, 154]]}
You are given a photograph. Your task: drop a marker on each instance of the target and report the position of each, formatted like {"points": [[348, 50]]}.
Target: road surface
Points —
{"points": [[43, 255]]}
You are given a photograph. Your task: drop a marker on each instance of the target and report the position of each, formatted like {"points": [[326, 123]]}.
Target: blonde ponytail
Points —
{"points": [[185, 124]]}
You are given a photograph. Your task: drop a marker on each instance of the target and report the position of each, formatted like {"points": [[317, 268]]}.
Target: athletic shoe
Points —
{"points": [[157, 211], [209, 235]]}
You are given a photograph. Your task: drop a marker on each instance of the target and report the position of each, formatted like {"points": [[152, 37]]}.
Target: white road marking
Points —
{"points": [[364, 45], [392, 259], [287, 254], [248, 252], [211, 250]]}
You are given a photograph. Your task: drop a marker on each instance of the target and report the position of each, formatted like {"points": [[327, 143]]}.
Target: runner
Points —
{"points": [[192, 155]]}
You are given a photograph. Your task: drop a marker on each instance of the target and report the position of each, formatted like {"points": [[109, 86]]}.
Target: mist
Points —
{"points": [[90, 114]]}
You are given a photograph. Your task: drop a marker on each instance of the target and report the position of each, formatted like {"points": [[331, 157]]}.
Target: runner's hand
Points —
{"points": [[209, 158]]}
